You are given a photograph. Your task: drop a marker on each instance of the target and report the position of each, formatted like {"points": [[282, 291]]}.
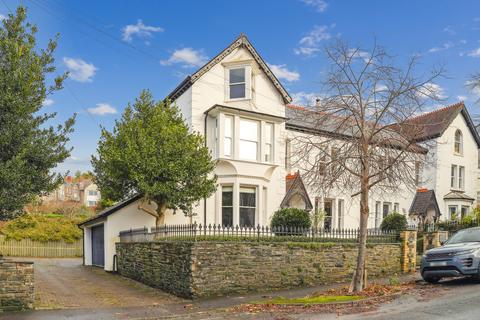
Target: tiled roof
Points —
{"points": [[423, 200], [434, 123], [295, 186]]}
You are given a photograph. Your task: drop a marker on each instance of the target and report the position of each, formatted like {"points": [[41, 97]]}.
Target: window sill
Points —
{"points": [[458, 154], [237, 100], [249, 161]]}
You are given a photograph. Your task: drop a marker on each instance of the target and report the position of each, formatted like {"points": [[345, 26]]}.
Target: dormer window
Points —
{"points": [[238, 83], [458, 147]]}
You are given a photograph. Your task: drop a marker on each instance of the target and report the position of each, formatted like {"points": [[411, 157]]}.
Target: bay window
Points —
{"points": [[268, 142], [228, 137], [248, 140], [247, 206]]}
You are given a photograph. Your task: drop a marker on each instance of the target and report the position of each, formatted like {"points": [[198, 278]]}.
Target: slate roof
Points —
{"points": [[431, 125], [307, 120], [457, 195], [423, 200], [296, 187], [108, 211], [240, 41]]}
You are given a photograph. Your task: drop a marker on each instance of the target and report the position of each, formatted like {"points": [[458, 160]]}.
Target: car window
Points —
{"points": [[469, 235]]}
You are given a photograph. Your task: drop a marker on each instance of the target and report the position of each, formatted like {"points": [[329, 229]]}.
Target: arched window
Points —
{"points": [[458, 142]]}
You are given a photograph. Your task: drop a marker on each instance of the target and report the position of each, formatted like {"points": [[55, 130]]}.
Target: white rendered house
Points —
{"points": [[242, 110]]}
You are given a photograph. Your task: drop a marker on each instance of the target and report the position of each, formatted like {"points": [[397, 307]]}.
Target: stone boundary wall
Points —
{"points": [[16, 285], [203, 269]]}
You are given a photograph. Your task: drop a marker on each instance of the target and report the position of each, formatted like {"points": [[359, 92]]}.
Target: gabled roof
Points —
{"points": [[435, 123], [296, 187], [240, 41], [424, 199], [105, 213]]}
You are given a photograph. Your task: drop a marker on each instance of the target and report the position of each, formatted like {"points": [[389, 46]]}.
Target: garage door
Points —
{"points": [[98, 246]]}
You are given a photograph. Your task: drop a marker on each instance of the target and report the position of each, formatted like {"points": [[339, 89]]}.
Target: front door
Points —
{"points": [[98, 246], [327, 222]]}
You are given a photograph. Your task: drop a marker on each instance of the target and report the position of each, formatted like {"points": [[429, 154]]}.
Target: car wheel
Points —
{"points": [[432, 279]]}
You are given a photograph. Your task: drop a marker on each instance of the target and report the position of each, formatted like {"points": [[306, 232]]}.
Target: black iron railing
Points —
{"points": [[199, 232]]}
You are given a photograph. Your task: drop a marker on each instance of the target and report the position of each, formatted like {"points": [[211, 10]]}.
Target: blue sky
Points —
{"points": [[114, 49]]}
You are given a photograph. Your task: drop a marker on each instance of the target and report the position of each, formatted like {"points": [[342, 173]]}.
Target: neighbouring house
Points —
{"points": [[245, 115], [83, 191]]}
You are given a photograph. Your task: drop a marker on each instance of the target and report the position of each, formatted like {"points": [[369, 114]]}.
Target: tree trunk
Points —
{"points": [[357, 282], [160, 219]]}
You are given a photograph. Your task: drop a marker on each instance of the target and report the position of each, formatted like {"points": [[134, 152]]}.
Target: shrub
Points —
{"points": [[291, 218], [43, 228], [394, 221]]}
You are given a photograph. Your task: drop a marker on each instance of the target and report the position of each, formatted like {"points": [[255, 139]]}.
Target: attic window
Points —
{"points": [[458, 148], [238, 82]]}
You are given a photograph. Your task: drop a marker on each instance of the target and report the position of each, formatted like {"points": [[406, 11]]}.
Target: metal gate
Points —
{"points": [[98, 246]]}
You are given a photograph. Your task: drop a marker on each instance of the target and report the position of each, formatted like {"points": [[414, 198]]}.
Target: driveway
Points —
{"points": [[65, 283]]}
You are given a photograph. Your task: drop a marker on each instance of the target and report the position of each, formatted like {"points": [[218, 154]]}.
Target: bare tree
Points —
{"points": [[474, 82], [363, 136]]}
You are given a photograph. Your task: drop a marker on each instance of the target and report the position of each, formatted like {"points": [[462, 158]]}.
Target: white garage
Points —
{"points": [[101, 232]]}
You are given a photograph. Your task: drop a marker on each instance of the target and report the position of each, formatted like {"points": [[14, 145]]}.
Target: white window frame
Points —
{"points": [[396, 207], [257, 141], [228, 136], [247, 82], [255, 216], [461, 177], [269, 143], [450, 213], [341, 213], [225, 188], [454, 176], [458, 141]]}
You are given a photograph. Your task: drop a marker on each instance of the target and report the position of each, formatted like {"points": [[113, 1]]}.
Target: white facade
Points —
{"points": [[263, 102], [463, 177], [128, 217], [240, 108]]}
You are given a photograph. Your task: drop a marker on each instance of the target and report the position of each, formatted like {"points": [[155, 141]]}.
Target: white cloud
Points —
{"points": [[462, 98], [310, 44], [449, 30], [79, 69], [281, 72], [445, 46], [432, 90], [188, 57], [474, 53], [319, 5], [475, 90], [359, 54], [47, 102], [140, 30], [102, 109], [304, 98]]}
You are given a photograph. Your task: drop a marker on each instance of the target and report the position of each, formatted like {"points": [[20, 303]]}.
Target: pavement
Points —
{"points": [[67, 290]]}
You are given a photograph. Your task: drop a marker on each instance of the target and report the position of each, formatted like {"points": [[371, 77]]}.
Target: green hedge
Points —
{"points": [[49, 227]]}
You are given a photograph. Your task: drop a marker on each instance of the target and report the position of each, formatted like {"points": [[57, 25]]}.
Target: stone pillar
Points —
{"points": [[409, 250], [434, 239]]}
